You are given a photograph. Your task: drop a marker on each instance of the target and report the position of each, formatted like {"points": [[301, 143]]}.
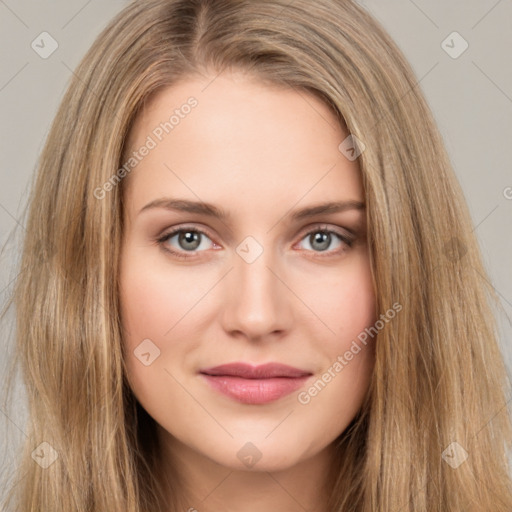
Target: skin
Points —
{"points": [[259, 152]]}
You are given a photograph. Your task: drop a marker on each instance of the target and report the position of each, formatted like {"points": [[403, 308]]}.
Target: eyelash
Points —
{"points": [[348, 240]]}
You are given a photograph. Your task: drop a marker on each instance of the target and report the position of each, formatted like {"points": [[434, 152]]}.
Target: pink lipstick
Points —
{"points": [[255, 384]]}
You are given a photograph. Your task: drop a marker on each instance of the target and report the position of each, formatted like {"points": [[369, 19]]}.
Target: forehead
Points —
{"points": [[234, 138]]}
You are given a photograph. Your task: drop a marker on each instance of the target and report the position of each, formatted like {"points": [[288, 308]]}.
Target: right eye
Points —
{"points": [[186, 240]]}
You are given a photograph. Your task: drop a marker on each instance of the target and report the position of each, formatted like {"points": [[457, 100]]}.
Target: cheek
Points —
{"points": [[154, 299], [351, 352], [344, 301], [347, 306], [348, 356], [158, 304], [355, 305]]}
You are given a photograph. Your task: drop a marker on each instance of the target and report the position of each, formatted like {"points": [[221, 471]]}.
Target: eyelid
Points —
{"points": [[322, 226]]}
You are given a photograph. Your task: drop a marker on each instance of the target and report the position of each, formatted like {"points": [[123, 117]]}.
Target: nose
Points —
{"points": [[257, 304]]}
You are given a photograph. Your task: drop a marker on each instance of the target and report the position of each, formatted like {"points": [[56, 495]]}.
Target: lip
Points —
{"points": [[250, 384]]}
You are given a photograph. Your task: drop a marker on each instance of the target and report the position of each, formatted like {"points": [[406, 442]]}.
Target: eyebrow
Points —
{"points": [[210, 210]]}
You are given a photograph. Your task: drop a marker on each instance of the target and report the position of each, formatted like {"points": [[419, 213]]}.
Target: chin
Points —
{"points": [[257, 456]]}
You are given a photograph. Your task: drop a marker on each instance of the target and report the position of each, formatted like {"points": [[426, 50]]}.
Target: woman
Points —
{"points": [[250, 280]]}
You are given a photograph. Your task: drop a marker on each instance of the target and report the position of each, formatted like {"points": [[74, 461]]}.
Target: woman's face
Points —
{"points": [[260, 273]]}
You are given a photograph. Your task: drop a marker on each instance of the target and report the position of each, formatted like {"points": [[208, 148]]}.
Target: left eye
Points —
{"points": [[320, 240]]}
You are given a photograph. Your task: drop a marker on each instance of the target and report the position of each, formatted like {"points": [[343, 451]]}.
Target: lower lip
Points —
{"points": [[255, 391]]}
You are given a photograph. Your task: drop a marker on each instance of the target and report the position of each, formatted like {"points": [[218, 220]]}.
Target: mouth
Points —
{"points": [[255, 384]]}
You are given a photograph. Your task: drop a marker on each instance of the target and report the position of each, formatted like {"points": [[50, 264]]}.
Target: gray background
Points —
{"points": [[471, 97]]}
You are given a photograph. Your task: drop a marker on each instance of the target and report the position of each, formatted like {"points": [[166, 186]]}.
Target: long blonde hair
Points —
{"points": [[439, 376]]}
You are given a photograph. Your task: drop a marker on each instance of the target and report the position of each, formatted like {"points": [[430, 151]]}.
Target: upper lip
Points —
{"points": [[248, 371]]}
